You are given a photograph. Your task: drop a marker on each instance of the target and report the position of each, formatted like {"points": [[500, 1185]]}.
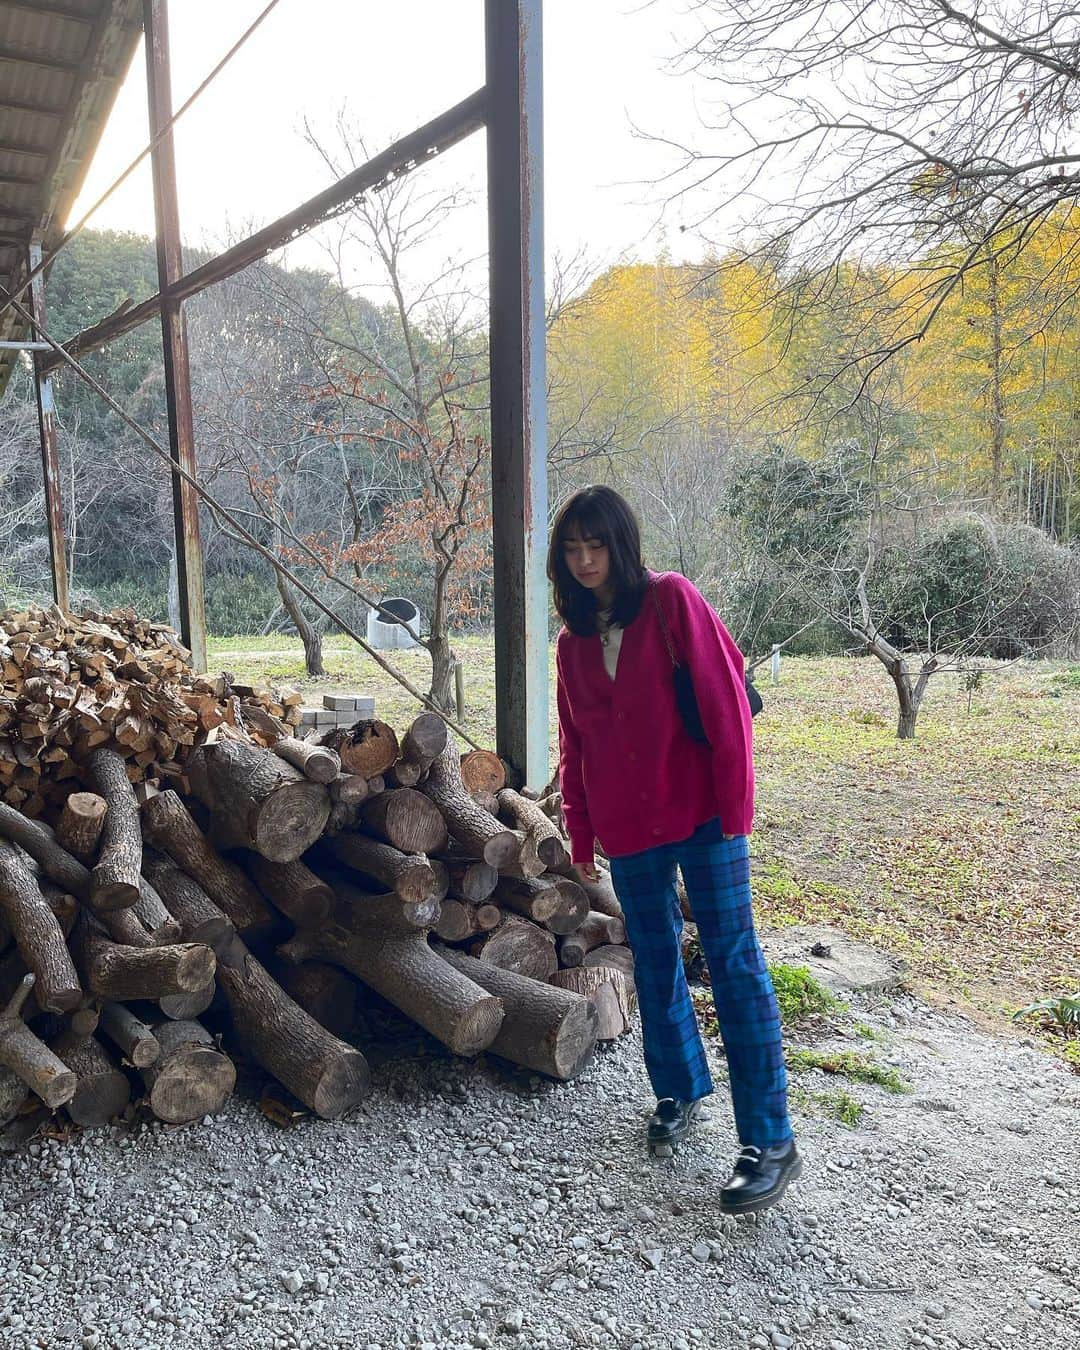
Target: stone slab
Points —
{"points": [[848, 967]]}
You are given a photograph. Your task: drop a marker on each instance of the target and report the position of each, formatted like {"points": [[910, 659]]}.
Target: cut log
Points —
{"points": [[102, 1092], [596, 930], [601, 893], [483, 771], [424, 741], [476, 829], [360, 911], [292, 887], [459, 920], [80, 825], [618, 958], [546, 1029], [537, 899], [527, 816], [407, 819], [13, 1093], [198, 918], [403, 969], [114, 879], [572, 910], [317, 762], [191, 1078], [185, 1007], [610, 992], [152, 913], [168, 825], [29, 1058], [123, 973], [38, 934], [348, 789], [133, 1037], [413, 878], [518, 946], [470, 880], [327, 992], [366, 748], [327, 1075], [256, 800]]}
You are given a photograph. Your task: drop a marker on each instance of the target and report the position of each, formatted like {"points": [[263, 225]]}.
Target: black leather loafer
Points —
{"points": [[670, 1122], [760, 1178]]}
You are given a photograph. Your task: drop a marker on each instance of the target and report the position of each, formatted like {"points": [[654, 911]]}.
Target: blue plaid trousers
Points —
{"points": [[717, 876]]}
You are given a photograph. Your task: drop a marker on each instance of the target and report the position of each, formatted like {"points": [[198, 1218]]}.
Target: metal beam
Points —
{"points": [[57, 11], [23, 148], [25, 58], [189, 559], [27, 106], [518, 382], [432, 138], [50, 459]]}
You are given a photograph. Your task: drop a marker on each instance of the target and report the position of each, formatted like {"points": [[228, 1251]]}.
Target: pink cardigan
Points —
{"points": [[630, 774]]}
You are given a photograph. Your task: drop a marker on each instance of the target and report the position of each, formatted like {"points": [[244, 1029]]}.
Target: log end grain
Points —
{"points": [[290, 821], [477, 1028], [195, 1082], [344, 1082]]}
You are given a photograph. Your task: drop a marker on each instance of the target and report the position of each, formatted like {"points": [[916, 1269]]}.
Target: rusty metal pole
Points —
{"points": [[515, 156], [50, 460], [189, 558]]}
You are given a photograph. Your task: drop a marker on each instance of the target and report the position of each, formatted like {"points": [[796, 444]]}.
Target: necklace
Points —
{"points": [[603, 623]]}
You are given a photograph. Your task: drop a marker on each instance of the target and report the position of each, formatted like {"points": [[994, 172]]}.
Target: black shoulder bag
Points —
{"points": [[685, 697]]}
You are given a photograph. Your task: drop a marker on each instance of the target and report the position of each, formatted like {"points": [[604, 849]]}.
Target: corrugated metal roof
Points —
{"points": [[61, 65]]}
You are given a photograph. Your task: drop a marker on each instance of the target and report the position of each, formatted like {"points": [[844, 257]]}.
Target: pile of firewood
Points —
{"points": [[265, 881]]}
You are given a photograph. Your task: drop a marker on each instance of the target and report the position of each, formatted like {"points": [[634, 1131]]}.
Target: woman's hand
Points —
{"points": [[587, 871]]}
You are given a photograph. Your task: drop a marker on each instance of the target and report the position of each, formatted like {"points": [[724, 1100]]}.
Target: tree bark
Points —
{"points": [[404, 970], [130, 1035], [544, 1028], [459, 920], [535, 898], [309, 634], [349, 789], [38, 934], [618, 958], [124, 973], [527, 816], [407, 819], [609, 991], [192, 1078], [473, 881], [413, 878], [114, 879], [358, 910], [518, 946], [198, 918], [327, 992], [596, 930], [293, 887], [29, 1058], [316, 762], [474, 828], [421, 744], [80, 825], [102, 1091], [168, 825], [601, 894], [256, 800]]}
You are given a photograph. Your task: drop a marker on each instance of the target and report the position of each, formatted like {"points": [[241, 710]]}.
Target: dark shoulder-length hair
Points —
{"points": [[597, 512]]}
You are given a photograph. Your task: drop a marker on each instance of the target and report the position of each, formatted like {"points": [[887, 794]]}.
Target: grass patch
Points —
{"points": [[867, 1032], [799, 994], [1067, 679], [848, 1064], [841, 1106]]}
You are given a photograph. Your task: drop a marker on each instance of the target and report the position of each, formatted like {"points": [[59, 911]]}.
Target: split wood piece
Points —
{"points": [[527, 816], [327, 1075], [348, 789], [483, 771], [198, 918], [413, 878], [618, 958], [366, 748], [327, 992], [38, 934], [183, 1007], [572, 911], [80, 824], [535, 897], [407, 819], [168, 825], [360, 911], [256, 800], [317, 762], [470, 880], [477, 830], [293, 888], [601, 893], [132, 1036], [191, 1078], [547, 1029], [518, 946], [459, 920], [29, 1058], [114, 878], [403, 969], [122, 973], [421, 745], [609, 991], [595, 931], [103, 1091]]}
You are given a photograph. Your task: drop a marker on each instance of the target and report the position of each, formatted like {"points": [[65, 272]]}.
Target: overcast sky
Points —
{"points": [[391, 65]]}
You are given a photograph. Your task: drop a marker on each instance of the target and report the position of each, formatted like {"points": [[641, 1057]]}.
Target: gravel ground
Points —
{"points": [[468, 1206]]}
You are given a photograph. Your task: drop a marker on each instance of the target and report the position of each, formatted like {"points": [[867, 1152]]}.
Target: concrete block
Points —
{"points": [[339, 702], [842, 965]]}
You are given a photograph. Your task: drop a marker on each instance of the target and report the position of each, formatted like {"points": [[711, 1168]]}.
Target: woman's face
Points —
{"points": [[588, 560]]}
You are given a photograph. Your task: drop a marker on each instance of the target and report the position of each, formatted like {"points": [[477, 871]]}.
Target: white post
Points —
{"points": [[776, 665]]}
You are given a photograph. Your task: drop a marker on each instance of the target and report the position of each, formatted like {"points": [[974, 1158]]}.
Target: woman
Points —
{"points": [[634, 778]]}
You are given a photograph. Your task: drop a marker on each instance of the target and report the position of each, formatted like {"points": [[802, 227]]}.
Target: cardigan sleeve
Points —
{"points": [[716, 665], [571, 780]]}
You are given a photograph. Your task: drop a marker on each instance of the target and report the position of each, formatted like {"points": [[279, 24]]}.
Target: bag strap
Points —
{"points": [[664, 627]]}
